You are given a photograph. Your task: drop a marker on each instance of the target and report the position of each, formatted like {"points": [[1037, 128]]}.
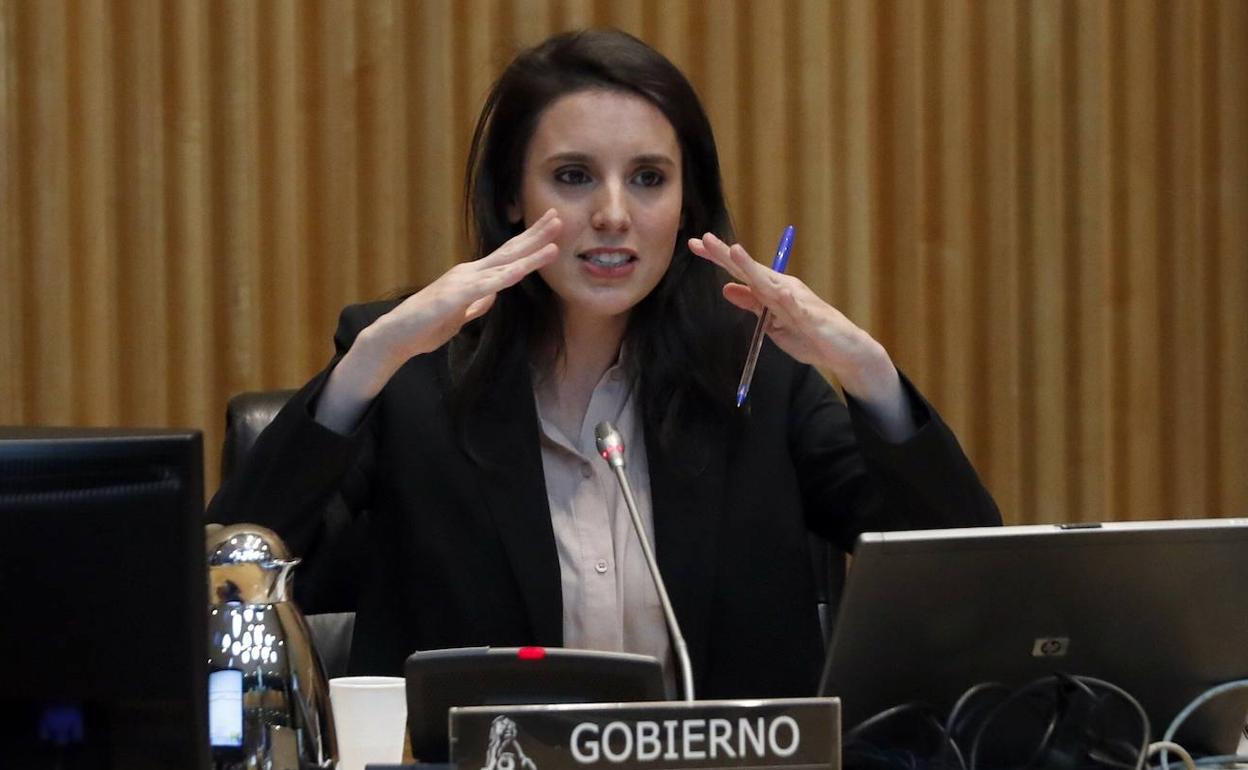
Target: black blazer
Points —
{"points": [[462, 547]]}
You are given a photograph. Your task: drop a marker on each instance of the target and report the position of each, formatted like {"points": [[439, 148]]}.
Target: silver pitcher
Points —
{"points": [[255, 629]]}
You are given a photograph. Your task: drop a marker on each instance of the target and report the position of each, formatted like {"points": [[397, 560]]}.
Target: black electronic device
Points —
{"points": [[103, 641], [1157, 608], [497, 676]]}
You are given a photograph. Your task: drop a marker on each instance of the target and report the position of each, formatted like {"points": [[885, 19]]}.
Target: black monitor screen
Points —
{"points": [[103, 643]]}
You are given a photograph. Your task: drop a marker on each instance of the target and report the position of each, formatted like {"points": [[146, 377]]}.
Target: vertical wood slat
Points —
{"points": [[48, 343], [1044, 307], [811, 185], [999, 338], [929, 277], [897, 293], [768, 118], [1232, 253], [861, 150], [1181, 264], [1036, 206], [435, 177], [143, 297], [11, 309], [339, 37], [1145, 481], [236, 150], [193, 271], [719, 95], [961, 132], [1090, 233], [91, 229], [379, 264], [15, 216], [285, 178]]}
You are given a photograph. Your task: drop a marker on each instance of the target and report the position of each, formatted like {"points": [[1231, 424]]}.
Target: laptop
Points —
{"points": [[1159, 608]]}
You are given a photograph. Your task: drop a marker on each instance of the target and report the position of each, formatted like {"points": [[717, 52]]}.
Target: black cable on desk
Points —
{"points": [[1062, 686], [857, 749], [962, 714]]}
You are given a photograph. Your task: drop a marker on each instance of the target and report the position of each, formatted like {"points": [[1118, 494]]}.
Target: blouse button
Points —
{"points": [[601, 566], [586, 471]]}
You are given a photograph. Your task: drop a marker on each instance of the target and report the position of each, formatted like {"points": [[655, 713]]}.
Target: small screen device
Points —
{"points": [[225, 709]]}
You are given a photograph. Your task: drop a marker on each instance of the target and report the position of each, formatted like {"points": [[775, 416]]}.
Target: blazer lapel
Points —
{"points": [[503, 432], [687, 498]]}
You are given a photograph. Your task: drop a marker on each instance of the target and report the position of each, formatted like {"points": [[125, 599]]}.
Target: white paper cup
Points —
{"points": [[370, 717]]}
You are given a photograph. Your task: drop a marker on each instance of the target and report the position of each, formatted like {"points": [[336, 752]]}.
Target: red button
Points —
{"points": [[531, 653]]}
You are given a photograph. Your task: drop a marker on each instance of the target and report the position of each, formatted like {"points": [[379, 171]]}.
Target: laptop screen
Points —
{"points": [[1158, 608]]}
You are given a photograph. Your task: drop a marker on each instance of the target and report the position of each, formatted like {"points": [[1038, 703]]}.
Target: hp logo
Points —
{"points": [[1050, 647]]}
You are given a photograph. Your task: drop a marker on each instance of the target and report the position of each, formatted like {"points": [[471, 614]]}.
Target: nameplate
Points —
{"points": [[774, 733]]}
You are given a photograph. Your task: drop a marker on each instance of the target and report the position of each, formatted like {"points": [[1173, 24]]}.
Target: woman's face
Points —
{"points": [[609, 163]]}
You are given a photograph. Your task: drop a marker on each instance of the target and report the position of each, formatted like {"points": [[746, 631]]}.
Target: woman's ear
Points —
{"points": [[515, 212]]}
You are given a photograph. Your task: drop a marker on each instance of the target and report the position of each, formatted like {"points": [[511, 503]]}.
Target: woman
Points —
{"points": [[462, 416]]}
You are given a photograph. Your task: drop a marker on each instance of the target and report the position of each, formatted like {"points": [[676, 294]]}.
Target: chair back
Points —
{"points": [[246, 416]]}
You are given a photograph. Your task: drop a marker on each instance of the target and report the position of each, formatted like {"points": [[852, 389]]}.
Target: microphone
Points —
{"points": [[611, 447]]}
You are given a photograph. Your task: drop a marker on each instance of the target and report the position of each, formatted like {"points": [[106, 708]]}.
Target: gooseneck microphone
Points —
{"points": [[611, 447]]}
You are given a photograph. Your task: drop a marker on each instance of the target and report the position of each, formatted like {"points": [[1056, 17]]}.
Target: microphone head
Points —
{"points": [[610, 444]]}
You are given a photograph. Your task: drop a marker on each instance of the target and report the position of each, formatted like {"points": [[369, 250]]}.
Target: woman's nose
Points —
{"points": [[611, 210]]}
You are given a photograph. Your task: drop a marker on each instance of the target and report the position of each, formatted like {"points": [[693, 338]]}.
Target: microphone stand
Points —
{"points": [[611, 446]]}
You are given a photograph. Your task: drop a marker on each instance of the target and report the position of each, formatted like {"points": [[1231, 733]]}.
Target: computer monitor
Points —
{"points": [[510, 676], [1159, 609], [103, 650]]}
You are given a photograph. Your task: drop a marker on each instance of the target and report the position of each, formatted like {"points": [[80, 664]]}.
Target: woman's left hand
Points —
{"points": [[813, 332]]}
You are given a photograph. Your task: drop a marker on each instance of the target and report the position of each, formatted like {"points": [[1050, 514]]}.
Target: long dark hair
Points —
{"points": [[683, 331]]}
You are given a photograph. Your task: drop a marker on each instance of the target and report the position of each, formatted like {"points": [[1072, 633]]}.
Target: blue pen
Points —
{"points": [[778, 264]]}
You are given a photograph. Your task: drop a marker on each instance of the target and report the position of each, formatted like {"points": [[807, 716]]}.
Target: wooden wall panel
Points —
{"points": [[1041, 208]]}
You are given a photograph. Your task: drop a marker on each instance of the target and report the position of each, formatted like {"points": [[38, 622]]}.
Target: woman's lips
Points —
{"points": [[608, 263]]}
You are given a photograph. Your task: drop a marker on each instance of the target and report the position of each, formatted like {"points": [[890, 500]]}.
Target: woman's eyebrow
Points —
{"points": [[569, 157], [649, 159], [654, 159]]}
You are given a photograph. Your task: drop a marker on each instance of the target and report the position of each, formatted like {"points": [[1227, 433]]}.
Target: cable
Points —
{"points": [[1083, 683], [1145, 727], [1165, 747], [1197, 702], [1223, 760], [949, 741], [1218, 760], [855, 736], [964, 700], [1066, 709], [857, 730]]}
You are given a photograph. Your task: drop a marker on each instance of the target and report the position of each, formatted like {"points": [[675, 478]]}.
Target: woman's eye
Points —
{"points": [[649, 178], [571, 176]]}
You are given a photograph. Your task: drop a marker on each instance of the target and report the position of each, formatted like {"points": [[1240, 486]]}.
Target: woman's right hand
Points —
{"points": [[428, 319]]}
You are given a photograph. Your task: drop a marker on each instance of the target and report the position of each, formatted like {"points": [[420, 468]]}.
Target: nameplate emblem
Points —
{"points": [[777, 733]]}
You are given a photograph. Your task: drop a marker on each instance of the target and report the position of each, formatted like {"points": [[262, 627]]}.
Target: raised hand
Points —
{"points": [[429, 318], [812, 331]]}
